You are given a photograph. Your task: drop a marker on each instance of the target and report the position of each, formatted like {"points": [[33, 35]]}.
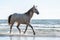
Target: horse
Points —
{"points": [[22, 19]]}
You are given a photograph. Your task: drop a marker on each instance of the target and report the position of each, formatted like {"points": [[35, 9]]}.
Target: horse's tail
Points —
{"points": [[9, 18]]}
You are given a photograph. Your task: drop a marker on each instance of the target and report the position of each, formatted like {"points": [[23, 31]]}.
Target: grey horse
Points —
{"points": [[22, 19]]}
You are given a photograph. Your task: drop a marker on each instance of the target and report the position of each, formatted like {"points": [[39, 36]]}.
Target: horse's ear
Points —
{"points": [[34, 6]]}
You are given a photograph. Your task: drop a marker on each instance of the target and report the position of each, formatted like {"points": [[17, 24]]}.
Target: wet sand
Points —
{"points": [[42, 32]]}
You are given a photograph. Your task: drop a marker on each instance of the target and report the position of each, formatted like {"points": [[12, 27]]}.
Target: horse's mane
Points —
{"points": [[28, 12]]}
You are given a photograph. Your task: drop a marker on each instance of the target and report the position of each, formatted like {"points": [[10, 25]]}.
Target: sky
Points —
{"points": [[48, 9]]}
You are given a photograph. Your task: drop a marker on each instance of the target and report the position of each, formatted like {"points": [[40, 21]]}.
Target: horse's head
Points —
{"points": [[35, 10], [31, 11]]}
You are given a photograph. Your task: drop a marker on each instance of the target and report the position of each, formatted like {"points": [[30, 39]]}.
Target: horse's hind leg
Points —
{"points": [[32, 29], [18, 28], [11, 28], [26, 29]]}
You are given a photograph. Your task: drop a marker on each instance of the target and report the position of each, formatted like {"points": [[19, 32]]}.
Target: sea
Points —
{"points": [[36, 23]]}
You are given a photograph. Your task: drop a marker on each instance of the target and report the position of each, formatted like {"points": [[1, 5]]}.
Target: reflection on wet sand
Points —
{"points": [[33, 38], [21, 38]]}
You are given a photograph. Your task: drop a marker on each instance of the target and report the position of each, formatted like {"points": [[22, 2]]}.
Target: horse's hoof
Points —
{"points": [[19, 32], [24, 32], [34, 33]]}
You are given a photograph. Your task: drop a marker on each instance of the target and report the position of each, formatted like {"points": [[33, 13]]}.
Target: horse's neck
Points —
{"points": [[31, 14]]}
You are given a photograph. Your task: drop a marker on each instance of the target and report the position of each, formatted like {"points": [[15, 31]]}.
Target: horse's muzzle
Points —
{"points": [[37, 12]]}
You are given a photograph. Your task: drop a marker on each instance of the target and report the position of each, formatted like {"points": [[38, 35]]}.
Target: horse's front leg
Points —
{"points": [[32, 29], [26, 29]]}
